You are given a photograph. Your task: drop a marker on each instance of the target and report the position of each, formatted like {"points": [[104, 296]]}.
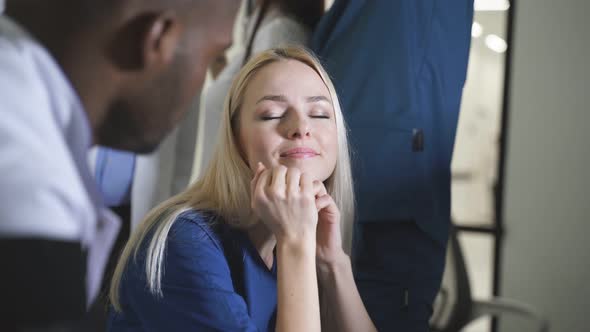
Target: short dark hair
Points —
{"points": [[86, 12]]}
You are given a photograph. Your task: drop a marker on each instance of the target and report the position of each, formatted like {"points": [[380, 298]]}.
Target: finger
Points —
{"points": [[306, 184], [319, 189], [259, 168], [260, 190], [326, 203], [278, 179], [323, 202], [293, 178]]}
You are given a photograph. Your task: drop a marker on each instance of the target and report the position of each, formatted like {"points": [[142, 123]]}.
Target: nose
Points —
{"points": [[299, 127]]}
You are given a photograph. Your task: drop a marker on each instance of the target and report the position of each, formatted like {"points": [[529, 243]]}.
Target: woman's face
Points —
{"points": [[287, 119]]}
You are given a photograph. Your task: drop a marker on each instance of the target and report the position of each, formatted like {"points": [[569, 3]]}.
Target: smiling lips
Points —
{"points": [[299, 153]]}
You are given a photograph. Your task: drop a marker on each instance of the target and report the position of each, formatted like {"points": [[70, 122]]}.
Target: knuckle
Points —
{"points": [[280, 195], [307, 198], [275, 193]]}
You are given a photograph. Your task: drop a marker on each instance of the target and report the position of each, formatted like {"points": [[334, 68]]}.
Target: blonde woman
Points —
{"points": [[271, 23], [261, 240]]}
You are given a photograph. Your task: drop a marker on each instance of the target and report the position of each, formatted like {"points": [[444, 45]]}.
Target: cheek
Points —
{"points": [[184, 86], [329, 139], [333, 153], [257, 146], [196, 79]]}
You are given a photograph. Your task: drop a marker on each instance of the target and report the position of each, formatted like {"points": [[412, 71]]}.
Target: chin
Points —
{"points": [[148, 144], [131, 145], [323, 178], [309, 168], [146, 148]]}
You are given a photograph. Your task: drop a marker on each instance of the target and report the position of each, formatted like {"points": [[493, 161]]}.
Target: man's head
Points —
{"points": [[136, 64]]}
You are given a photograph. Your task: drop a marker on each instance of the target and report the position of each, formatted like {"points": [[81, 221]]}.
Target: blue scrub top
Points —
{"points": [[214, 280]]}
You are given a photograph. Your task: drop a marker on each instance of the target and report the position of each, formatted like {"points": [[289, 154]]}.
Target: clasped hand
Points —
{"points": [[296, 208]]}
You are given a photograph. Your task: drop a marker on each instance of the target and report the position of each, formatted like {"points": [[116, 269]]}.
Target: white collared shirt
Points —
{"points": [[46, 188]]}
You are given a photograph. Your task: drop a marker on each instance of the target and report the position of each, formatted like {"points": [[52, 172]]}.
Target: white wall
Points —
{"points": [[547, 212]]}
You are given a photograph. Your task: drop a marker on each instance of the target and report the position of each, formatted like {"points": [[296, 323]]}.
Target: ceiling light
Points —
{"points": [[496, 43], [491, 5]]}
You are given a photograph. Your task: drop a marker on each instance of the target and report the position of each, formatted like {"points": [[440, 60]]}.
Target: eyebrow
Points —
{"points": [[316, 99], [283, 99]]}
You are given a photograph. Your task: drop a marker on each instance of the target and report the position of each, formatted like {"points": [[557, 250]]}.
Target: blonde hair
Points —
{"points": [[224, 187]]}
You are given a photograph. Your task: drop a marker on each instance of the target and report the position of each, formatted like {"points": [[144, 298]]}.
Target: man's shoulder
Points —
{"points": [[42, 181], [17, 50], [24, 98]]}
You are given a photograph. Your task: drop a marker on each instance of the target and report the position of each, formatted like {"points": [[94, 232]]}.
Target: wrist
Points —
{"points": [[300, 245], [338, 266]]}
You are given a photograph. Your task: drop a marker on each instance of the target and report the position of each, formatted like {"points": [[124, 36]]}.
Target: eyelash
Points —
{"points": [[267, 118]]}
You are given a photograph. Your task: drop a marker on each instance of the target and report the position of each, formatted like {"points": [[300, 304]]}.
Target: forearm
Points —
{"points": [[298, 300], [342, 306]]}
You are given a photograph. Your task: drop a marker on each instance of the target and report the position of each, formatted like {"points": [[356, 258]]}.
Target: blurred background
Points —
{"points": [[520, 188]]}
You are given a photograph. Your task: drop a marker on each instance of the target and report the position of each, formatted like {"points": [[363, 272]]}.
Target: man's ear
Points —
{"points": [[161, 40], [145, 42]]}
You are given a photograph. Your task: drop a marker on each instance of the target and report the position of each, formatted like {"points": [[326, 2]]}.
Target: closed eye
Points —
{"points": [[268, 117], [320, 116]]}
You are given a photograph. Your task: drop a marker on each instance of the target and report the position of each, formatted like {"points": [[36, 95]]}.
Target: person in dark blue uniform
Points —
{"points": [[260, 242], [399, 67]]}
